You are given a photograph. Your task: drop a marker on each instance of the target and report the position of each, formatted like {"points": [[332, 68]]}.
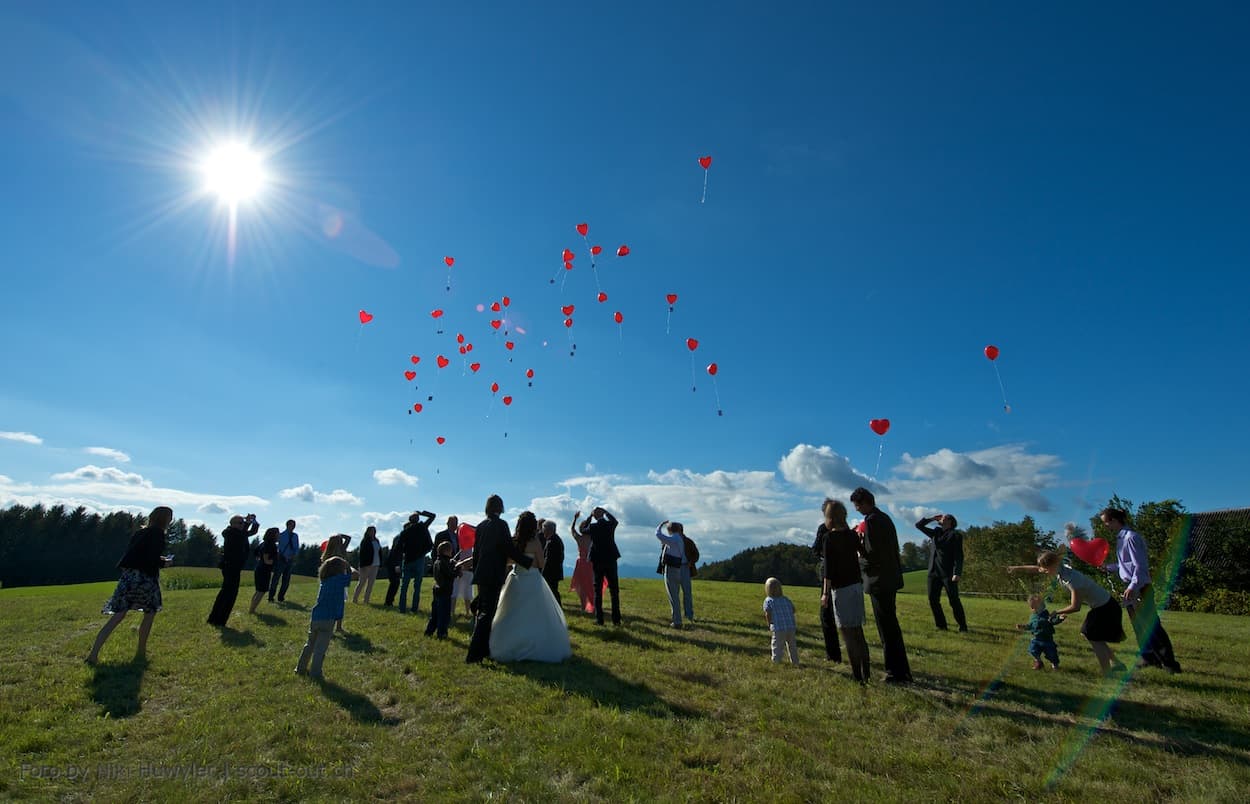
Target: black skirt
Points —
{"points": [[262, 575], [1105, 623]]}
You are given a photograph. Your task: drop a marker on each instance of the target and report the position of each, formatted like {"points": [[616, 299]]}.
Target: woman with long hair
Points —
{"points": [[842, 588]]}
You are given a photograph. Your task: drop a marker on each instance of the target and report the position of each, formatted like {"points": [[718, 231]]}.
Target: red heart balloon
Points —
{"points": [[410, 375], [529, 373], [602, 297], [436, 313], [568, 255], [623, 251], [617, 317], [417, 407], [879, 426], [494, 387], [568, 322], [463, 351], [672, 298], [506, 301], [365, 318], [450, 261], [991, 352], [509, 345], [415, 359], [459, 338], [705, 162], [692, 344], [495, 307], [496, 323], [1091, 551], [567, 309], [568, 266], [596, 250], [475, 367], [468, 347], [507, 400], [712, 368], [441, 440], [442, 361], [582, 229]]}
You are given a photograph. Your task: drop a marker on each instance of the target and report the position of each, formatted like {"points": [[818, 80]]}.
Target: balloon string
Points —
{"points": [[562, 281], [668, 322], [449, 279], [1006, 406], [716, 390], [693, 387], [704, 199], [880, 449]]}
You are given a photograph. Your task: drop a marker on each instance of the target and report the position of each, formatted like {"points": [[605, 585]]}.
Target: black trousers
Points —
{"points": [[936, 584], [1152, 641], [392, 589], [226, 596], [487, 601], [554, 585], [891, 635], [829, 629], [614, 589]]}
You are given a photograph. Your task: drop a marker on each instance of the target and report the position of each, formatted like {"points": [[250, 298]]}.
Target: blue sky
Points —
{"points": [[893, 188]]}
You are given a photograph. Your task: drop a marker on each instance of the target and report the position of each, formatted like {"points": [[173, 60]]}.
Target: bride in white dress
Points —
{"points": [[529, 624]]}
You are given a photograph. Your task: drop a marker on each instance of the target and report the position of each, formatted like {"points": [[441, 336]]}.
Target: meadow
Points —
{"points": [[640, 713]]}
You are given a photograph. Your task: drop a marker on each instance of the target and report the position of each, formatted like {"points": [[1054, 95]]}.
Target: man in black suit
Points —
{"points": [[491, 552], [553, 557], [235, 549], [603, 555], [946, 564], [394, 563], [883, 577]]}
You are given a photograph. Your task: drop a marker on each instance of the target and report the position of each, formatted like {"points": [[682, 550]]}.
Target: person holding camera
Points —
{"points": [[235, 546], [672, 559]]}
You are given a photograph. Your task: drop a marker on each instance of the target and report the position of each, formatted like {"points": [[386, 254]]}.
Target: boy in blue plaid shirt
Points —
{"points": [[779, 614], [1042, 626]]}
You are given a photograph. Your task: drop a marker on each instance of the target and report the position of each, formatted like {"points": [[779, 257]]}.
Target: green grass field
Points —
{"points": [[640, 713]]}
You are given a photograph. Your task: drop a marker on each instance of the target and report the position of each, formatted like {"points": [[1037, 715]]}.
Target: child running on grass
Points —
{"points": [[335, 574], [1042, 626], [779, 614]]}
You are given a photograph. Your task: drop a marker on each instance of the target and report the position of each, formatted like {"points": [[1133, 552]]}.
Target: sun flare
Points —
{"points": [[234, 173]]}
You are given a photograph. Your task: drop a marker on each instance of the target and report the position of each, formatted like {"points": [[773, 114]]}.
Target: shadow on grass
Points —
{"points": [[288, 604], [355, 704], [600, 686], [623, 635], [269, 619], [1101, 712], [115, 687], [234, 638], [360, 643]]}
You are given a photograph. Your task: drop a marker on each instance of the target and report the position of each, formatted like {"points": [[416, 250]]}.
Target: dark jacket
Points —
{"points": [[491, 552], [447, 536], [145, 551], [445, 573], [603, 551], [415, 540], [879, 552], [839, 556], [235, 546], [946, 552], [395, 556], [553, 558]]}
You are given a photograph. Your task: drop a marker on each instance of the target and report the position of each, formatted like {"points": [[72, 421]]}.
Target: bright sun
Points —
{"points": [[234, 173]]}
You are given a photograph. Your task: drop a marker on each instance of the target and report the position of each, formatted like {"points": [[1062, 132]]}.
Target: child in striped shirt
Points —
{"points": [[779, 614]]}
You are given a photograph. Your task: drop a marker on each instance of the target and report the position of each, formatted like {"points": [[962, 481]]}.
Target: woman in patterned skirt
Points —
{"points": [[139, 588]]}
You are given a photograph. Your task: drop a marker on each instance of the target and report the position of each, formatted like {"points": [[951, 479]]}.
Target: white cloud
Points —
{"points": [[108, 452], [25, 438], [392, 520], [107, 474], [5, 480], [307, 493], [212, 508], [999, 475], [105, 489], [824, 471], [393, 477]]}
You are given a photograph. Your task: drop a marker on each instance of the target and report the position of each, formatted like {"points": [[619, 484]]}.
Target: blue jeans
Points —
{"points": [[1038, 649], [281, 570], [685, 589], [440, 615], [672, 581], [413, 571]]}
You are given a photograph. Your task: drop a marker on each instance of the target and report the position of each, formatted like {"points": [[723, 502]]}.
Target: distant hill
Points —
{"points": [[792, 564]]}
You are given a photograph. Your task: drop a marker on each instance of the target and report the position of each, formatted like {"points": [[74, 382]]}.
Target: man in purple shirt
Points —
{"points": [[1139, 598]]}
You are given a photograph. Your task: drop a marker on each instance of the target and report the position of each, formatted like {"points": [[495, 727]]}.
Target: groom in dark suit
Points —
{"points": [[603, 556], [491, 552], [553, 557], [946, 564]]}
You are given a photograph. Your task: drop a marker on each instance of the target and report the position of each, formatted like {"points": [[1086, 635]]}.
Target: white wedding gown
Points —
{"points": [[529, 624]]}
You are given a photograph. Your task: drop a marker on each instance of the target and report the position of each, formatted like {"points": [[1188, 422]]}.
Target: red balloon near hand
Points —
{"points": [[583, 228], [712, 368], [617, 317], [567, 309], [879, 426], [672, 298], [442, 361], [991, 352], [507, 400], [602, 297], [410, 375], [705, 162], [365, 318], [1091, 551], [450, 261], [692, 343], [568, 255], [623, 251], [474, 367]]}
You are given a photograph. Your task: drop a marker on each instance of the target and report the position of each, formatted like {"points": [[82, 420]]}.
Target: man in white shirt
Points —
{"points": [[1139, 598]]}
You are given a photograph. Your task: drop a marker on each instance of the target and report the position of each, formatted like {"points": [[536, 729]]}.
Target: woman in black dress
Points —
{"points": [[140, 587], [266, 554]]}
